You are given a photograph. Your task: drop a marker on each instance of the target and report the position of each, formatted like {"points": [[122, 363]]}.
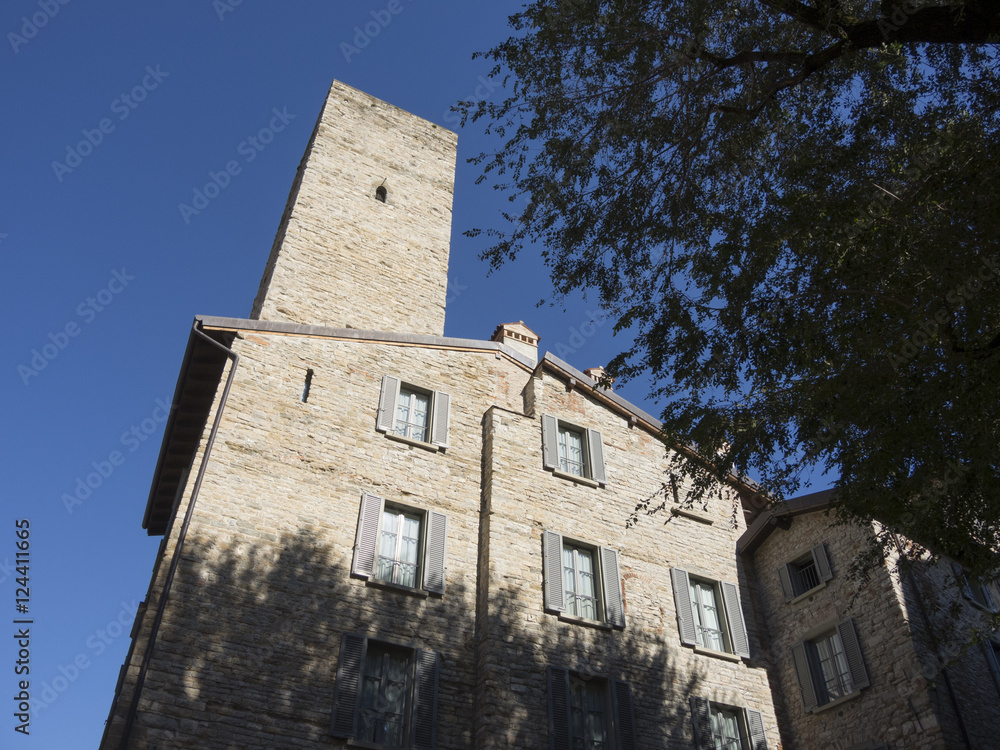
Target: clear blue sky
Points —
{"points": [[103, 274]]}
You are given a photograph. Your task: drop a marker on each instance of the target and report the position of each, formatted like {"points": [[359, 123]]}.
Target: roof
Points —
{"points": [[777, 517]]}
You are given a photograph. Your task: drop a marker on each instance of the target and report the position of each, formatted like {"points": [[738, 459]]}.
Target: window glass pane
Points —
{"points": [[569, 581], [571, 451], [708, 626], [834, 669], [387, 545], [578, 582], [411, 414], [725, 729], [384, 695], [588, 707]]}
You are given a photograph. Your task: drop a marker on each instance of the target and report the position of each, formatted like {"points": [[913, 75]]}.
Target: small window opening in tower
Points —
{"points": [[381, 193], [305, 390]]}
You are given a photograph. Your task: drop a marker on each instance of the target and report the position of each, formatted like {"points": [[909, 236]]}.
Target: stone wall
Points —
{"points": [[342, 258]]}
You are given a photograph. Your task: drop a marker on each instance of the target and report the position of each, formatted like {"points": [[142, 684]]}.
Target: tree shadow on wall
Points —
{"points": [[248, 651]]}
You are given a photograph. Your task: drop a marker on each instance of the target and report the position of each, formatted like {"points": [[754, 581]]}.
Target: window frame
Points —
{"points": [[750, 724], [620, 727], [608, 590], [732, 619], [438, 413], [401, 512], [979, 593], [808, 670], [792, 586], [423, 675], [432, 550], [592, 443]]}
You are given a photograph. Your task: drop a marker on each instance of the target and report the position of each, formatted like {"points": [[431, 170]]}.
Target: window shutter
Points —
{"points": [[366, 541], [434, 552], [348, 690], [852, 649], [804, 674], [596, 453], [425, 693], [991, 660], [701, 717], [614, 606], [737, 626], [785, 574], [550, 442], [755, 722], [387, 404], [439, 419], [961, 580], [624, 716], [558, 708], [682, 600], [822, 563], [552, 571]]}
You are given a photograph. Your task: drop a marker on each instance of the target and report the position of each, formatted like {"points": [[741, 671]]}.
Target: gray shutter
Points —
{"points": [[558, 708], [614, 606], [755, 722], [682, 600], [991, 660], [550, 442], [822, 563], [439, 419], [552, 571], [961, 580], [701, 717], [595, 452], [785, 574], [624, 716], [852, 649], [737, 626], [434, 552], [804, 674], [347, 692], [425, 693], [387, 404], [366, 541]]}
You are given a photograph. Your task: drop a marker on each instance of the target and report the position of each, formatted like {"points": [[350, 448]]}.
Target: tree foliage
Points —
{"points": [[790, 208]]}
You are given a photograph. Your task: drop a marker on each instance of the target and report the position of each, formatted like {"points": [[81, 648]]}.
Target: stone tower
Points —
{"points": [[363, 242]]}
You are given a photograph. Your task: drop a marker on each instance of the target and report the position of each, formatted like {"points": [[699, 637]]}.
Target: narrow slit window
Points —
{"points": [[381, 193], [305, 389]]}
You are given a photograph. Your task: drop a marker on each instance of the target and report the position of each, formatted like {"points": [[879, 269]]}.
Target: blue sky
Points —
{"points": [[113, 114]]}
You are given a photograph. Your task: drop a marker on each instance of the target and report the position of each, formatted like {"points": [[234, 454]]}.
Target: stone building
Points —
{"points": [[378, 536]]}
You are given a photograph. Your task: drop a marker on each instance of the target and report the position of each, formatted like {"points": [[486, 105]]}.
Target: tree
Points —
{"points": [[790, 207]]}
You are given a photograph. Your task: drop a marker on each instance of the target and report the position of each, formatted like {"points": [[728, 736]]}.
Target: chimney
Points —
{"points": [[518, 337], [596, 373]]}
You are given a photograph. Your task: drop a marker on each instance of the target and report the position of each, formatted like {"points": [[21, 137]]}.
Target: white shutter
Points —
{"points": [[614, 605], [852, 649], [804, 674], [737, 626], [434, 552], [439, 419], [347, 692], [822, 563], [550, 442], [785, 575], [552, 572], [595, 447], [624, 716], [755, 722], [425, 695], [366, 540], [386, 417], [682, 601], [558, 680], [701, 717]]}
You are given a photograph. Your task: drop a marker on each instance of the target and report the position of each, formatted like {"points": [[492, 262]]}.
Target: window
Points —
{"points": [[582, 580], [589, 713], [573, 451], [976, 592], [700, 619], [400, 546], [991, 648], [805, 573], [386, 694], [413, 413], [829, 666], [719, 727], [381, 193]]}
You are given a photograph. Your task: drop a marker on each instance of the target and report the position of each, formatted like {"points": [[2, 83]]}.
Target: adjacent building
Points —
{"points": [[378, 536]]}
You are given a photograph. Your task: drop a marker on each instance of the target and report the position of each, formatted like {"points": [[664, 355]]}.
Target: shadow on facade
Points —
{"points": [[247, 654]]}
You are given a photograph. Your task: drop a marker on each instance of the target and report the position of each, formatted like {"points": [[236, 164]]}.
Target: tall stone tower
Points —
{"points": [[363, 242]]}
